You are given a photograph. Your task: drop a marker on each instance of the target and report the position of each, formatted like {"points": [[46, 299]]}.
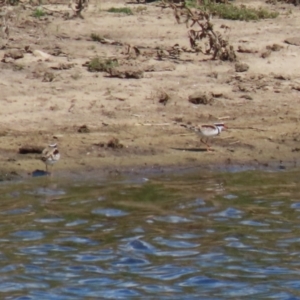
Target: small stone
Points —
{"points": [[266, 54], [12, 54], [201, 98], [126, 72], [83, 129], [41, 54], [274, 47], [247, 97], [241, 67], [293, 41], [57, 136], [114, 143]]}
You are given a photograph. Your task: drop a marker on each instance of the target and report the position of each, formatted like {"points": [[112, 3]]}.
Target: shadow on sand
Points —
{"points": [[193, 149]]}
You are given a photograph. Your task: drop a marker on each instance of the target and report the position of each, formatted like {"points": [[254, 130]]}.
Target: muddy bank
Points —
{"points": [[95, 154]]}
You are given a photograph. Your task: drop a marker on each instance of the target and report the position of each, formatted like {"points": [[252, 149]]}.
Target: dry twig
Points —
{"points": [[218, 46], [78, 6]]}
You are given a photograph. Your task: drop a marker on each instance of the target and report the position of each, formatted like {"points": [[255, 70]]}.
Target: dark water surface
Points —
{"points": [[199, 236]]}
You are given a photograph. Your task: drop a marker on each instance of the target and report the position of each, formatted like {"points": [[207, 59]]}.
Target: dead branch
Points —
{"points": [[78, 6], [219, 48]]}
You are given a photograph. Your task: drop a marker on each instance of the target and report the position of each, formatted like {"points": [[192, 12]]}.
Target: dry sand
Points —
{"points": [[45, 99]]}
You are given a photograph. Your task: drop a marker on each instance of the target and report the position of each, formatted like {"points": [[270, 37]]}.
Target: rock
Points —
{"points": [[201, 98], [57, 136], [266, 54], [296, 87], [83, 129], [48, 77], [62, 66], [114, 143], [293, 41], [41, 54], [12, 54], [274, 47], [282, 77], [243, 49], [241, 67], [161, 67], [126, 72], [163, 97], [217, 94], [244, 88], [247, 97]]}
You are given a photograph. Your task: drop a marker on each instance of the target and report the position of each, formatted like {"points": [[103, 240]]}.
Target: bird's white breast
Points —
{"points": [[209, 131]]}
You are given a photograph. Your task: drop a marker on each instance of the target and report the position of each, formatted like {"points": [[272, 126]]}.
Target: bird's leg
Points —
{"points": [[202, 141], [46, 168], [206, 144], [50, 170], [208, 148]]}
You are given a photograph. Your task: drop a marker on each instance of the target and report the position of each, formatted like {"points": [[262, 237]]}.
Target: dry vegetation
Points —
{"points": [[295, 2], [134, 72]]}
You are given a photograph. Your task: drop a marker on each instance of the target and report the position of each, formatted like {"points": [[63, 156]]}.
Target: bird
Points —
{"points": [[207, 131], [50, 155]]}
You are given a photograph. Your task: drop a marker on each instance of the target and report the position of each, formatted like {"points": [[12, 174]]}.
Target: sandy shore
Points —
{"points": [[46, 98]]}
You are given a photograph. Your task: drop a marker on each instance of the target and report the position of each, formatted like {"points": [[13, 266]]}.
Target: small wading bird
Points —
{"points": [[50, 155], [207, 131]]}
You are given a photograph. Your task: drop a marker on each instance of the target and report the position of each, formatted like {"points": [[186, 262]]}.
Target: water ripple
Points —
{"points": [[296, 205], [109, 212], [44, 249], [166, 272], [172, 219], [92, 257], [175, 243], [229, 213], [130, 261], [47, 192], [28, 235], [203, 280], [140, 246], [197, 202], [230, 196], [17, 211], [49, 220], [206, 237], [253, 223], [182, 253], [76, 222], [77, 240]]}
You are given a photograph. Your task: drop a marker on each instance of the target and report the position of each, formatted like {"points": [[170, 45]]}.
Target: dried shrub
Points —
{"points": [[96, 37], [102, 65], [38, 13], [122, 10], [295, 2], [78, 6], [218, 46]]}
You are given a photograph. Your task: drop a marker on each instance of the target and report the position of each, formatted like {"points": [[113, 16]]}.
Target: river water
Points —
{"points": [[204, 235]]}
